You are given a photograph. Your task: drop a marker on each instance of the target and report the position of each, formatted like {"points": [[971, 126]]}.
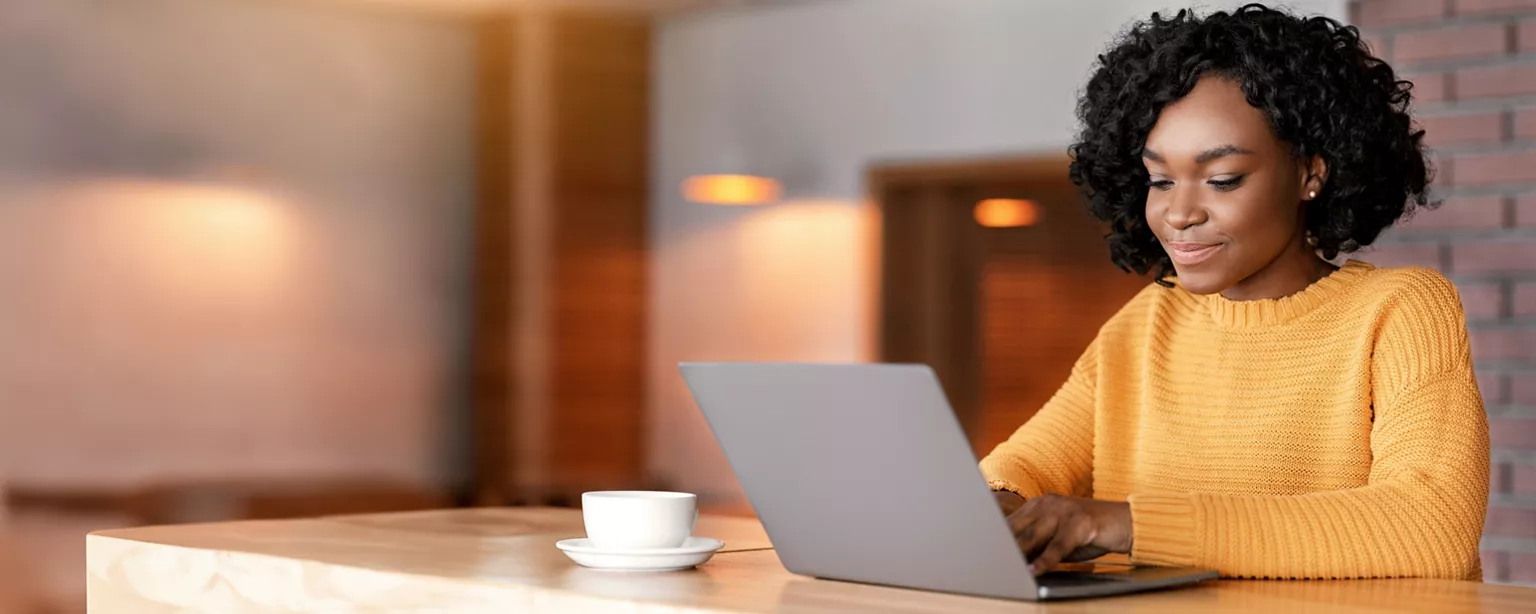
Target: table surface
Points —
{"points": [[498, 559]]}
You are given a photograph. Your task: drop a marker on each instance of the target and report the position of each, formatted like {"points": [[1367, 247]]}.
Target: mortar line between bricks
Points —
{"points": [[1519, 412], [1507, 366], [1410, 236], [1450, 65], [1472, 278], [1496, 322], [1472, 105], [1505, 190], [1473, 148], [1509, 544], [1501, 455], [1473, 19]]}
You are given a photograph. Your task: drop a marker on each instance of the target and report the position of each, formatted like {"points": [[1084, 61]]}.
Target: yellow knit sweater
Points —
{"points": [[1334, 433]]}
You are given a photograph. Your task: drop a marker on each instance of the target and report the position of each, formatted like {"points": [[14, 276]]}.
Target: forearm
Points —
{"points": [[1047, 455], [1414, 526]]}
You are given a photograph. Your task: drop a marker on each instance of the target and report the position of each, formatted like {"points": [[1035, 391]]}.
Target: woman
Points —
{"points": [[1258, 410]]}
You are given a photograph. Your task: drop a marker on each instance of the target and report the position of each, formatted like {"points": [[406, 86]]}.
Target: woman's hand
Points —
{"points": [[1051, 529]]}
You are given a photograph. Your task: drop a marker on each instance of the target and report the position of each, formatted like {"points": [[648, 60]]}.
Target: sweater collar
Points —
{"points": [[1271, 311]]}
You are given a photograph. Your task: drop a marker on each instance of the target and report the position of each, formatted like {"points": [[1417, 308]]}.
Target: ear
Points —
{"points": [[1314, 175]]}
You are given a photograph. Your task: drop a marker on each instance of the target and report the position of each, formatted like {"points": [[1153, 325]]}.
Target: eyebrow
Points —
{"points": [[1205, 156]]}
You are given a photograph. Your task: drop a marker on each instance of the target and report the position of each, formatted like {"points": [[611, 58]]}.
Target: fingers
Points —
{"points": [[1065, 541], [1032, 531]]}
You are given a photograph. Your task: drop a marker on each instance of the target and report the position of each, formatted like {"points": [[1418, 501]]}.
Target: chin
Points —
{"points": [[1202, 282]]}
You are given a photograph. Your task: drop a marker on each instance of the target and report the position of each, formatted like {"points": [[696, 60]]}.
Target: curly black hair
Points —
{"points": [[1322, 90]]}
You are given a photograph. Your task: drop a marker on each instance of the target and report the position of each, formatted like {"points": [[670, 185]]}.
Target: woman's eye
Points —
{"points": [[1225, 185], [1160, 184]]}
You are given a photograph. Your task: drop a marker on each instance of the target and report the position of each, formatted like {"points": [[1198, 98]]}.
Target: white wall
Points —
{"points": [[814, 92], [233, 240]]}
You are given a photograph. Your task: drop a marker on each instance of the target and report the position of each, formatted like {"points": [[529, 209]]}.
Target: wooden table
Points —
{"points": [[504, 560]]}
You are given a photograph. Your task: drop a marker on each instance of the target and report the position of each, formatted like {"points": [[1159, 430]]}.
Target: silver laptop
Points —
{"points": [[861, 473]]}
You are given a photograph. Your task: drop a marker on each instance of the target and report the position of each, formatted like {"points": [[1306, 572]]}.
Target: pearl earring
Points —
{"points": [[1312, 194]]}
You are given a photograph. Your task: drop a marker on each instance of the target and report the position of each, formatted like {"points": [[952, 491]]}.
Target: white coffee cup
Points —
{"points": [[638, 519]]}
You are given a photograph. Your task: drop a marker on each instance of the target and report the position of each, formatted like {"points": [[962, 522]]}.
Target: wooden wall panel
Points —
{"points": [[930, 288], [561, 315], [1047, 289], [1000, 314], [494, 301], [600, 87]]}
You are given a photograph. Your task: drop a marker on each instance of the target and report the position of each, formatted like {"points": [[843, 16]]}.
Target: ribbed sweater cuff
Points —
{"points": [[1163, 529], [1002, 474]]}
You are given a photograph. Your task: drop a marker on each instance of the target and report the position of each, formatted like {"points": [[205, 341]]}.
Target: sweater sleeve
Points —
{"points": [[1421, 511], [1053, 451]]}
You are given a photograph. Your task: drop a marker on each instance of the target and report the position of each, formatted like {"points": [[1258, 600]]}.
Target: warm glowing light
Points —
{"points": [[731, 189], [1006, 212], [208, 240]]}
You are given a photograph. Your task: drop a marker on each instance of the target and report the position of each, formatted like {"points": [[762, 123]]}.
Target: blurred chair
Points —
{"points": [[18, 588]]}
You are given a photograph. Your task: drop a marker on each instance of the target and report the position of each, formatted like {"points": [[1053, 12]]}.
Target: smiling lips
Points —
{"points": [[1188, 254]]}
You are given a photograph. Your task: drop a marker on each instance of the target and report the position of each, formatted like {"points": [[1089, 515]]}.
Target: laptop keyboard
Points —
{"points": [[1077, 578]]}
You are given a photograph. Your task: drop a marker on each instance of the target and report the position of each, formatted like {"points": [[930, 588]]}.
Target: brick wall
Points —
{"points": [[1474, 66]]}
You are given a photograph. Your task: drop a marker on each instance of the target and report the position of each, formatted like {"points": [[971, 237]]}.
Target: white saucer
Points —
{"points": [[693, 552]]}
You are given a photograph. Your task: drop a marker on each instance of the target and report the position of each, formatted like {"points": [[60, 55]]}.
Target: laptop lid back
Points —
{"points": [[861, 473]]}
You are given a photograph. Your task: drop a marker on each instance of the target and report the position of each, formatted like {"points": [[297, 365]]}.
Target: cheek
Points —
{"points": [[1154, 212], [1257, 222]]}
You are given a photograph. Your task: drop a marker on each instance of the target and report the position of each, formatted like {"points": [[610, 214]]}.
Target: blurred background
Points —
{"points": [[276, 258]]}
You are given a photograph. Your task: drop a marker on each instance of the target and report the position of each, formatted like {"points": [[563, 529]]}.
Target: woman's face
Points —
{"points": [[1225, 197]]}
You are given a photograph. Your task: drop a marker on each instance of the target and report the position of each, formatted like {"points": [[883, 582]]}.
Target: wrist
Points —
{"points": [[1126, 522], [1008, 500]]}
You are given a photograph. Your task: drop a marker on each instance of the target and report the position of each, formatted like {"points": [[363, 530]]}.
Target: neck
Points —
{"points": [[1289, 273]]}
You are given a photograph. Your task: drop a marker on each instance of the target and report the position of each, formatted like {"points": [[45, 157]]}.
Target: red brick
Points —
{"points": [[1503, 344], [1440, 170], [1370, 13], [1481, 300], [1479, 128], [1466, 212], [1525, 121], [1427, 86], [1379, 44], [1494, 569], [1491, 385], [1513, 433], [1526, 35], [1494, 81], [1452, 42], [1525, 210], [1522, 479], [1487, 169], [1525, 299], [1472, 7], [1522, 567], [1416, 254], [1483, 257], [1511, 522], [1522, 390]]}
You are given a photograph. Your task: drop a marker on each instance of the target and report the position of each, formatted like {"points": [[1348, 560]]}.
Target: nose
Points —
{"points": [[1184, 209]]}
